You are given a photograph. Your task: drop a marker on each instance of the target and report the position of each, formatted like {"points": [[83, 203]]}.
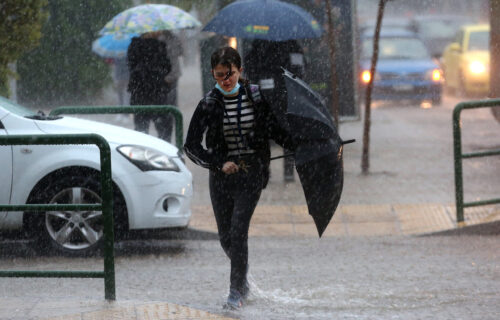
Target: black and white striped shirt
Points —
{"points": [[236, 136]]}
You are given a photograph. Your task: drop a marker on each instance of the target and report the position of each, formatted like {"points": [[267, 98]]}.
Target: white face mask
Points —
{"points": [[228, 93]]}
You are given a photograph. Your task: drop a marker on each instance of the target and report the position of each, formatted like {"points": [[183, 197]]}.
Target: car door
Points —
{"points": [[452, 66], [5, 173]]}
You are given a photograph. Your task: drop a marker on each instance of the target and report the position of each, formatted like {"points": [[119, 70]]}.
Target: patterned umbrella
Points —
{"points": [[149, 17], [112, 46]]}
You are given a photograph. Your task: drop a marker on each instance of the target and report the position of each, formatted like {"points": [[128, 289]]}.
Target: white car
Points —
{"points": [[152, 186]]}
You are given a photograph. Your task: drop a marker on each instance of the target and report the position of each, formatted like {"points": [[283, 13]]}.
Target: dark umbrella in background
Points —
{"points": [[318, 155], [264, 19]]}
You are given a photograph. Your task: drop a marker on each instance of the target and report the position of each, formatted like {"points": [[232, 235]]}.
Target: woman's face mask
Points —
{"points": [[227, 79]]}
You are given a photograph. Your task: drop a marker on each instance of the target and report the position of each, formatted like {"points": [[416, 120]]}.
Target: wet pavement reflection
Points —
{"points": [[438, 277]]}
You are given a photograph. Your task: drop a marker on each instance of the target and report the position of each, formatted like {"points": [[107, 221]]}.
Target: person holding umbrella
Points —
{"points": [[236, 124], [153, 71], [264, 65], [149, 66]]}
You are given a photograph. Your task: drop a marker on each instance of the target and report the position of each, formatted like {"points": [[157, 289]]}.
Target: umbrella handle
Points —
{"points": [[348, 141], [282, 156]]}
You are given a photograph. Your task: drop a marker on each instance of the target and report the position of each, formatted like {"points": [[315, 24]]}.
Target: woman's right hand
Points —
{"points": [[230, 167]]}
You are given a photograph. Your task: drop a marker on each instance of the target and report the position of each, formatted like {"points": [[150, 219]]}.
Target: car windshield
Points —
{"points": [[15, 108], [479, 40], [396, 48]]}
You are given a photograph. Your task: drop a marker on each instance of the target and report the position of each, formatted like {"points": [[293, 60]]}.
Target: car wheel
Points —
{"points": [[436, 101], [74, 233]]}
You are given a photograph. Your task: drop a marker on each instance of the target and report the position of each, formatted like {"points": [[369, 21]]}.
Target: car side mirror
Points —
{"points": [[455, 46]]}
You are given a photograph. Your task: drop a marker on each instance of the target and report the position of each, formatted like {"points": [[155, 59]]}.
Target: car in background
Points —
{"points": [[405, 69], [388, 24], [437, 31], [466, 61], [152, 188]]}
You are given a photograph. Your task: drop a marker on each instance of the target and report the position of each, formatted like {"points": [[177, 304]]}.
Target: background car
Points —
{"points": [[466, 61], [405, 69], [437, 31], [152, 186]]}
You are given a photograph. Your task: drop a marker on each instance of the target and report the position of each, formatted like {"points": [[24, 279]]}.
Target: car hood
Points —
{"points": [[401, 66], [113, 134]]}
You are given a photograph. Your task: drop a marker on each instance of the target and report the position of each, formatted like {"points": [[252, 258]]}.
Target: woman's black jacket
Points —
{"points": [[207, 121]]}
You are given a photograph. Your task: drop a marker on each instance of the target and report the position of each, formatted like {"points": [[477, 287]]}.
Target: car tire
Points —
{"points": [[72, 233], [436, 101]]}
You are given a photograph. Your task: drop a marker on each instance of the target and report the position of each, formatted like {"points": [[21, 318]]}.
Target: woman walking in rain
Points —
{"points": [[237, 124]]}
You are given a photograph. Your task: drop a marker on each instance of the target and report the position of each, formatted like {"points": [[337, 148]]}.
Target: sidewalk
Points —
{"points": [[354, 220]]}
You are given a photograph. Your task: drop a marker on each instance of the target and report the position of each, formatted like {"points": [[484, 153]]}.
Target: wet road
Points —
{"points": [[445, 277], [434, 277]]}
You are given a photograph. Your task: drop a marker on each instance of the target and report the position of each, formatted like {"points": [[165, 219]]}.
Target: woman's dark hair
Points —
{"points": [[226, 56]]}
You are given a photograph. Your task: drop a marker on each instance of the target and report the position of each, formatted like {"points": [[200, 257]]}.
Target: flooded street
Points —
{"points": [[437, 277], [395, 277]]}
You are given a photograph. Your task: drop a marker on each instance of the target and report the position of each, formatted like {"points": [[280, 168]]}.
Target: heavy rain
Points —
{"points": [[361, 182]]}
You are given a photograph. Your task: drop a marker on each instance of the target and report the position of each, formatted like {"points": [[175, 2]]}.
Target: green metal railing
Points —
{"points": [[458, 156], [106, 207], [128, 109]]}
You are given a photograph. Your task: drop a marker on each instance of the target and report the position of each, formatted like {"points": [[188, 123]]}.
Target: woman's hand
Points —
{"points": [[230, 167]]}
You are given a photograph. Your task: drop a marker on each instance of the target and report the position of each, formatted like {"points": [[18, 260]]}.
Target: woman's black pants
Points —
{"points": [[234, 198]]}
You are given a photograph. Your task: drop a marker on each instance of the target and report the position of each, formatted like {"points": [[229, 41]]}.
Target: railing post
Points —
{"points": [[106, 207], [107, 210], [457, 157]]}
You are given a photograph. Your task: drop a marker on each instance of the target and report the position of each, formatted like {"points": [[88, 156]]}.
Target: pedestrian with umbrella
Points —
{"points": [[113, 48], [263, 65], [236, 124], [149, 65], [274, 27], [150, 60]]}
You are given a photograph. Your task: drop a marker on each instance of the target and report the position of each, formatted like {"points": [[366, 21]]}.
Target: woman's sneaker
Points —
{"points": [[245, 291], [234, 300]]}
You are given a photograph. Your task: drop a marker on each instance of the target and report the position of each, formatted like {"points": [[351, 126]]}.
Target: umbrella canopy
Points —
{"points": [[264, 19], [148, 18], [321, 175], [306, 112], [112, 46], [318, 154]]}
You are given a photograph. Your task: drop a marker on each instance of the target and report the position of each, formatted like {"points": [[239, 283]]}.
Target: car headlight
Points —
{"points": [[147, 159], [434, 75], [366, 76], [477, 67]]}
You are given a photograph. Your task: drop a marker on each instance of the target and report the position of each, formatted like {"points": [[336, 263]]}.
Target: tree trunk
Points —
{"points": [[494, 49], [495, 54], [365, 159], [333, 70]]}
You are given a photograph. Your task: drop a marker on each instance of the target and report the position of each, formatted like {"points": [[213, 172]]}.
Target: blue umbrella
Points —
{"points": [[112, 46], [271, 20]]}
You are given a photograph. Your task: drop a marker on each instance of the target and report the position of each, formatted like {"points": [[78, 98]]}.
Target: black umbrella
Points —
{"points": [[306, 112], [318, 154]]}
